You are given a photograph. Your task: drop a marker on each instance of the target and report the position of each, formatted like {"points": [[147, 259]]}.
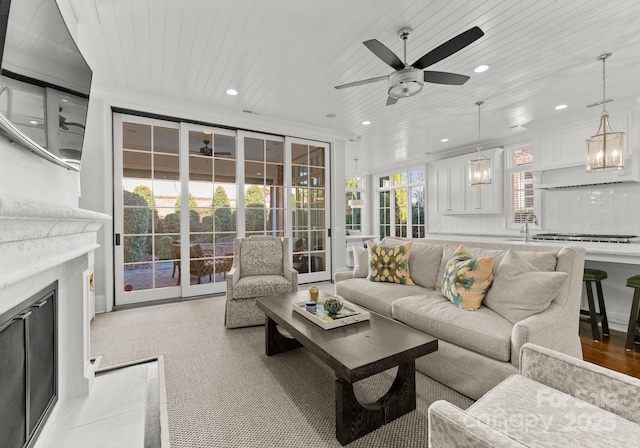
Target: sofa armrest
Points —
{"points": [[450, 426], [605, 388], [232, 278], [292, 276], [339, 276], [548, 329]]}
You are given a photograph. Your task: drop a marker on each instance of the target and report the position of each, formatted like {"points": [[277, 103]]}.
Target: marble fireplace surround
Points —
{"points": [[41, 242]]}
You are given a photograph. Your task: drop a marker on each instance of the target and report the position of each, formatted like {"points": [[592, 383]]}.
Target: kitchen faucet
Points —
{"points": [[525, 229]]}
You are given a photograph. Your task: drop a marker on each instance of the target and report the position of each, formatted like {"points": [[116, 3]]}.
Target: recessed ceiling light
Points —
{"points": [[331, 115], [444, 140], [207, 133], [561, 106], [232, 92], [366, 122], [33, 122], [481, 68]]}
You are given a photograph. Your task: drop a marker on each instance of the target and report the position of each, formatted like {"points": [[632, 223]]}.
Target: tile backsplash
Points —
{"points": [[601, 209]]}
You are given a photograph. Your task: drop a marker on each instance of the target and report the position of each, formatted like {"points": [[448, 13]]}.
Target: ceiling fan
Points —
{"points": [[407, 80], [207, 151], [64, 124]]}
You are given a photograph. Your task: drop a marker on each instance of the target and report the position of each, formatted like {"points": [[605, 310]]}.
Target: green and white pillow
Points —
{"points": [[389, 264], [467, 279]]}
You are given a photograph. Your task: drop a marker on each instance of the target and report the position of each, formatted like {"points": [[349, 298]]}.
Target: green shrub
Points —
{"points": [[163, 248], [136, 221]]}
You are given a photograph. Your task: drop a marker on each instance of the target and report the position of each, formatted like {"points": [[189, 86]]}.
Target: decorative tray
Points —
{"points": [[349, 314]]}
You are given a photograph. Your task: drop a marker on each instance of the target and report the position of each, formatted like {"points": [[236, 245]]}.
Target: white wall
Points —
{"points": [[24, 174]]}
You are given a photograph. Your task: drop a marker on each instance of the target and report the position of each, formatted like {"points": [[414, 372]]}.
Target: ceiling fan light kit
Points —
{"points": [[480, 167], [405, 83], [605, 150]]}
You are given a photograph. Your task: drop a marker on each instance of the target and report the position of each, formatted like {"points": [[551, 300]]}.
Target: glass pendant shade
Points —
{"points": [[479, 172], [605, 150]]}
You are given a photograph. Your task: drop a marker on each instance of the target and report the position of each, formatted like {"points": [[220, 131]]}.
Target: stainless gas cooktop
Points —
{"points": [[624, 239]]}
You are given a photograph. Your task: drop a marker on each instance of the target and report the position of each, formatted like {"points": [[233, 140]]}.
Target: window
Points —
{"points": [[354, 191], [402, 204], [522, 197]]}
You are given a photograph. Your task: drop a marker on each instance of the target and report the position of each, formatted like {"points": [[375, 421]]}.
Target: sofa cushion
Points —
{"points": [[389, 264], [467, 279], [539, 416], [260, 286], [520, 289], [360, 262], [545, 261], [376, 297], [484, 332], [261, 257], [424, 262]]}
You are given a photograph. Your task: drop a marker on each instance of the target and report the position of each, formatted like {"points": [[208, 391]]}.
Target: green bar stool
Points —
{"points": [[633, 332], [591, 276]]}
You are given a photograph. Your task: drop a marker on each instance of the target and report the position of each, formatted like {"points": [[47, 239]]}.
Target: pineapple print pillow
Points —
{"points": [[389, 264], [467, 279]]}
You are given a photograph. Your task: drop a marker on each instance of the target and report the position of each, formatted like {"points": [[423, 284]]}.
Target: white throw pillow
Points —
{"points": [[520, 289], [360, 262]]}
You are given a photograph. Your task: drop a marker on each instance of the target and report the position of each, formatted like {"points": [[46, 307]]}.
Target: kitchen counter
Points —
{"points": [[605, 252]]}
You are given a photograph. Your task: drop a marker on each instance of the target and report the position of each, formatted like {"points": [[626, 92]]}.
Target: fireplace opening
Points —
{"points": [[28, 367]]}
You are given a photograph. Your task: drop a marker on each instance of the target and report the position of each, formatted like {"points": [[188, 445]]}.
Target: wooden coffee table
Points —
{"points": [[354, 352]]}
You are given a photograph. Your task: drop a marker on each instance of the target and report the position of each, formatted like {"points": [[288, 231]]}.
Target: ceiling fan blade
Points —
{"points": [[391, 101], [445, 78], [388, 56], [364, 81], [449, 47]]}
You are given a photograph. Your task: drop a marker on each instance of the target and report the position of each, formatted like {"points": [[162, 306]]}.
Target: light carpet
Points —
{"points": [[223, 391]]}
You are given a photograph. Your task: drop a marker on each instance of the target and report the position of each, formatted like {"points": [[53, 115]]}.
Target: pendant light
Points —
{"points": [[480, 167], [356, 203], [605, 150]]}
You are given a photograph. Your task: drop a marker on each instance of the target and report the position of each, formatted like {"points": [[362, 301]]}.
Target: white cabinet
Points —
{"points": [[566, 146], [450, 188], [456, 197], [559, 153]]}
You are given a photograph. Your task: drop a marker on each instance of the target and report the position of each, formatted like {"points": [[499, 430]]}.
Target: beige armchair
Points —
{"points": [[261, 267], [557, 400]]}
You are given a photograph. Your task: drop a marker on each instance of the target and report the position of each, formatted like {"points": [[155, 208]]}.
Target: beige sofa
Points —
{"points": [[477, 349]]}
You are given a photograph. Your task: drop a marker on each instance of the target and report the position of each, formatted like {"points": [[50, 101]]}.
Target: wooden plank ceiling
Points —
{"points": [[284, 57]]}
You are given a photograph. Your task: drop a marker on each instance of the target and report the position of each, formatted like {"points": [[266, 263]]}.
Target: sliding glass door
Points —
{"points": [[146, 204], [183, 192]]}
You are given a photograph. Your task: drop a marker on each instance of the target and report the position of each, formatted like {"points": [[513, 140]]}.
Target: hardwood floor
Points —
{"points": [[610, 353]]}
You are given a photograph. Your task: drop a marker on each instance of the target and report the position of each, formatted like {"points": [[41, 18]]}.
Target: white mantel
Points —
{"points": [[43, 242]]}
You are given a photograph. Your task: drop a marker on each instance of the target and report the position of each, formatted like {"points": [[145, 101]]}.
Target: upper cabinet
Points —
{"points": [[560, 153], [456, 197]]}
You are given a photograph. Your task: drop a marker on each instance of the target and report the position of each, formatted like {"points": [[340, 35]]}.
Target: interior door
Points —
{"points": [[310, 214], [146, 209]]}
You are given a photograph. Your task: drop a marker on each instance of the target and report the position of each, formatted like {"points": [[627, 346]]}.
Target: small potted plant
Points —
{"points": [[332, 306]]}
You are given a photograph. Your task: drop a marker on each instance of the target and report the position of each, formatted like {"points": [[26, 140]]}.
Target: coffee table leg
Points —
{"points": [[355, 419], [275, 342]]}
